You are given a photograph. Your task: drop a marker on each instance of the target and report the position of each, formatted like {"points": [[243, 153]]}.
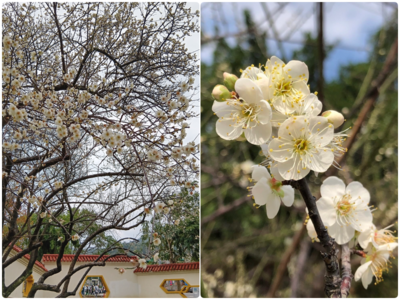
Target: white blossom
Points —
{"points": [[344, 209], [270, 192], [142, 263], [301, 146], [249, 113], [374, 264]]}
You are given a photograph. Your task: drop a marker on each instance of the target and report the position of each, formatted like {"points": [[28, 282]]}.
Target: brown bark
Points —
{"points": [[347, 276], [330, 255]]}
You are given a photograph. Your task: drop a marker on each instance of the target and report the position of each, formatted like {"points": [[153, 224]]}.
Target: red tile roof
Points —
{"points": [[85, 258], [169, 267], [28, 257]]}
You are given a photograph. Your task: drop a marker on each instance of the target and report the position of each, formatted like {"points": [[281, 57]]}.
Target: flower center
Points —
{"points": [[379, 266], [246, 117], [248, 110], [301, 145], [275, 186], [283, 87], [344, 206]]}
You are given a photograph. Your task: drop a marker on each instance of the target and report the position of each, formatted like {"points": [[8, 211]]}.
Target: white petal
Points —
{"points": [[251, 73], [292, 128], [223, 109], [259, 134], [273, 205], [327, 211], [280, 150], [367, 278], [283, 104], [311, 105], [278, 118], [306, 105], [356, 190], [275, 172], [311, 230], [365, 238], [341, 234], [298, 70], [302, 87], [261, 192], [264, 84], [272, 62], [226, 129], [292, 169], [248, 90], [363, 219], [317, 107], [333, 187], [265, 114], [288, 197], [260, 172], [321, 161], [321, 131], [265, 149], [361, 270], [387, 247]]}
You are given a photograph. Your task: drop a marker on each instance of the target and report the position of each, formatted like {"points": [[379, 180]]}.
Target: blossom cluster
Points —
{"points": [[273, 107], [346, 213]]}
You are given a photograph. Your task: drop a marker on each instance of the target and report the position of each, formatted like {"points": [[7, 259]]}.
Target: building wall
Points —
{"points": [[126, 285], [149, 283], [120, 285], [14, 270]]}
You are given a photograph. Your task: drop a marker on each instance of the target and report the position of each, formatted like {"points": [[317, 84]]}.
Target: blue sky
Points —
{"points": [[348, 25]]}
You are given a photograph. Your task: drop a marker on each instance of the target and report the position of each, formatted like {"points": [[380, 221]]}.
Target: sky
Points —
{"points": [[347, 25]]}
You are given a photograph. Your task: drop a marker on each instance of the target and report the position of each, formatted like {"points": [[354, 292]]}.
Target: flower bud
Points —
{"points": [[334, 117], [221, 93], [230, 80]]}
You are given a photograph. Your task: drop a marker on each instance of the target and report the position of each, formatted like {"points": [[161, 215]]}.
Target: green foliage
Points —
{"points": [[179, 242], [83, 225]]}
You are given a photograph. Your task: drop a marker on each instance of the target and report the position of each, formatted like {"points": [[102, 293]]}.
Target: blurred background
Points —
{"points": [[351, 52]]}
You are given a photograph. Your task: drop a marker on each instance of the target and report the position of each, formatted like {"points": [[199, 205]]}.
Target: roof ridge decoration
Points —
{"points": [[87, 258], [169, 267]]}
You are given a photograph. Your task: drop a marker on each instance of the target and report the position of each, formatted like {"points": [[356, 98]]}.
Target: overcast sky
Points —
{"points": [[348, 25]]}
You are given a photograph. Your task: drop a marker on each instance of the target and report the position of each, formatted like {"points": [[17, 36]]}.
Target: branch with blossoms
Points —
{"points": [[273, 107], [95, 109]]}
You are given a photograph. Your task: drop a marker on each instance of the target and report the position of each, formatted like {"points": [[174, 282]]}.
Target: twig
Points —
{"points": [[370, 99], [301, 262], [358, 252], [224, 209], [330, 256], [347, 276], [283, 263], [273, 28]]}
